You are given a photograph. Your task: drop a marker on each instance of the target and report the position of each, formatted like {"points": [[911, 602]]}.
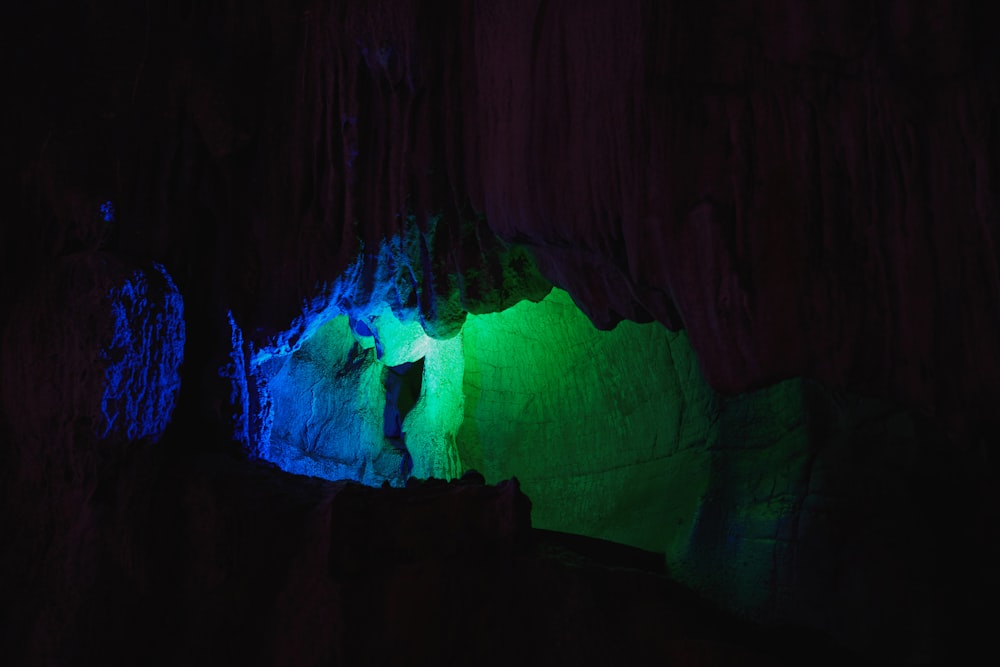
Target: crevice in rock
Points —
{"points": [[403, 384]]}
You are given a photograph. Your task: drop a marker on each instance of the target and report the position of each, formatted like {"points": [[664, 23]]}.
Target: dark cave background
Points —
{"points": [[809, 191]]}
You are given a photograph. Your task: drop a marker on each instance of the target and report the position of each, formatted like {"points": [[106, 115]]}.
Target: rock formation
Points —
{"points": [[716, 280]]}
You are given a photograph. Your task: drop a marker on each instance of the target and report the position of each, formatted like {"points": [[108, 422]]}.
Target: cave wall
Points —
{"points": [[605, 430], [377, 407], [805, 191], [795, 501]]}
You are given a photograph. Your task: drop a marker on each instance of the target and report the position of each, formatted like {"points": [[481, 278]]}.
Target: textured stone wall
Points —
{"points": [[808, 190], [92, 351], [791, 502], [89, 374], [331, 410], [605, 434]]}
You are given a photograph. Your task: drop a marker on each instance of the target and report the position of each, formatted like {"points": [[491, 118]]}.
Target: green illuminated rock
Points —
{"points": [[595, 424], [613, 434]]}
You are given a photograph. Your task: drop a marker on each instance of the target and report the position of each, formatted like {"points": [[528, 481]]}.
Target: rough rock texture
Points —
{"points": [[808, 189], [791, 502], [787, 503], [333, 410], [607, 430], [327, 417], [805, 191], [93, 350], [90, 370]]}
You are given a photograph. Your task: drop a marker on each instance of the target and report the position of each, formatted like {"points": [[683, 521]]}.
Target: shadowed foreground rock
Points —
{"points": [[211, 560]]}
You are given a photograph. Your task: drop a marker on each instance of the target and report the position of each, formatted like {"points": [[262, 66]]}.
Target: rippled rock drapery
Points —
{"points": [[808, 191]]}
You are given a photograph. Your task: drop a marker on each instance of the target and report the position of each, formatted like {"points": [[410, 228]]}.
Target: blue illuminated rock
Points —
{"points": [[93, 352]]}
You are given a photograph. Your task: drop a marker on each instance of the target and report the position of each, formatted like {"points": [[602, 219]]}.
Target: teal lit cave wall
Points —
{"points": [[375, 400], [616, 435], [612, 434]]}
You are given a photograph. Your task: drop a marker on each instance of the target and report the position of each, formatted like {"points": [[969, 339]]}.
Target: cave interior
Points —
{"points": [[469, 333]]}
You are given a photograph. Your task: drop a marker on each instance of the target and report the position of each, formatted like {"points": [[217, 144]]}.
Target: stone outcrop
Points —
{"points": [[809, 191], [92, 351]]}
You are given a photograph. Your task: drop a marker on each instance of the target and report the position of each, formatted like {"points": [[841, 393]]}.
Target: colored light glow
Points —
{"points": [[595, 424], [613, 434], [330, 403], [140, 389], [108, 211], [592, 422]]}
